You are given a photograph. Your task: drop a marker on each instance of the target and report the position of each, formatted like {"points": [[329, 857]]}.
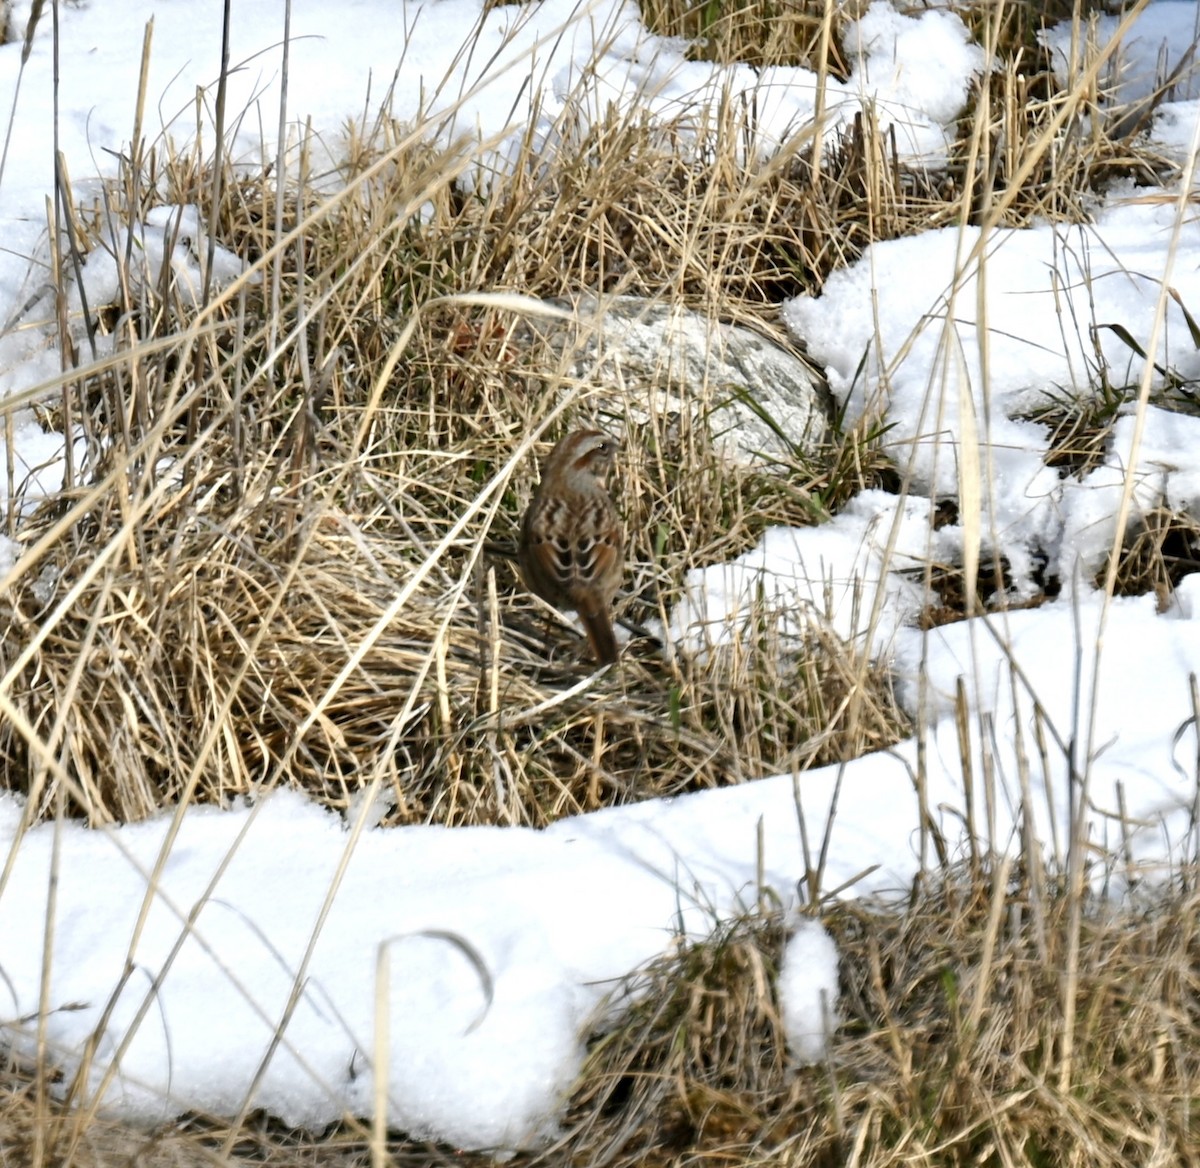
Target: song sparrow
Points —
{"points": [[572, 544]]}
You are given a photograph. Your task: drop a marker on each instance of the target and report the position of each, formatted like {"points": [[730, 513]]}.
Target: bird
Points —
{"points": [[572, 545]]}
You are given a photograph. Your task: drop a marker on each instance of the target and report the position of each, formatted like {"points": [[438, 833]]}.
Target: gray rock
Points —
{"points": [[758, 401]]}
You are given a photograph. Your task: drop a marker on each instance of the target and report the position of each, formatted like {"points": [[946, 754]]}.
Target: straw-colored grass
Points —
{"points": [[291, 562], [286, 560], [948, 1051]]}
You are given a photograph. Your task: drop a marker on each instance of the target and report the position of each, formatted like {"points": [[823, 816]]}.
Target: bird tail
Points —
{"points": [[598, 626]]}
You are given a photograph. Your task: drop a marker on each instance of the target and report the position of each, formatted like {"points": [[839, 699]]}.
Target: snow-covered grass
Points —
{"points": [[312, 813]]}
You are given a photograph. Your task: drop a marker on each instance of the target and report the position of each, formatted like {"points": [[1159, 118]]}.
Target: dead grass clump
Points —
{"points": [[1080, 429], [951, 1052], [856, 461], [861, 193], [1031, 151], [1015, 26], [1027, 147], [36, 1128], [1081, 424], [1161, 547], [636, 209], [279, 559], [698, 1064], [972, 1036], [755, 32], [687, 210], [993, 591]]}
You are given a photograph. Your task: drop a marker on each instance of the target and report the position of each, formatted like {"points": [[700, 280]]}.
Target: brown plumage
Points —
{"points": [[572, 549]]}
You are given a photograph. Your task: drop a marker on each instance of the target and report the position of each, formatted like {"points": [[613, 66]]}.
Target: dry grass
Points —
{"points": [[286, 568], [280, 558], [1161, 548], [758, 32], [948, 1053], [282, 563]]}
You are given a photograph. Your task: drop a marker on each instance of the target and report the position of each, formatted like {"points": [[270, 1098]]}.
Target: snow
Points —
{"points": [[914, 308], [1121, 713], [476, 961], [502, 946], [1164, 475], [916, 70], [828, 578], [804, 991]]}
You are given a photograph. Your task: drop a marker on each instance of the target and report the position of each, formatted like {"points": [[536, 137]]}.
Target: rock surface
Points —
{"points": [[759, 402]]}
